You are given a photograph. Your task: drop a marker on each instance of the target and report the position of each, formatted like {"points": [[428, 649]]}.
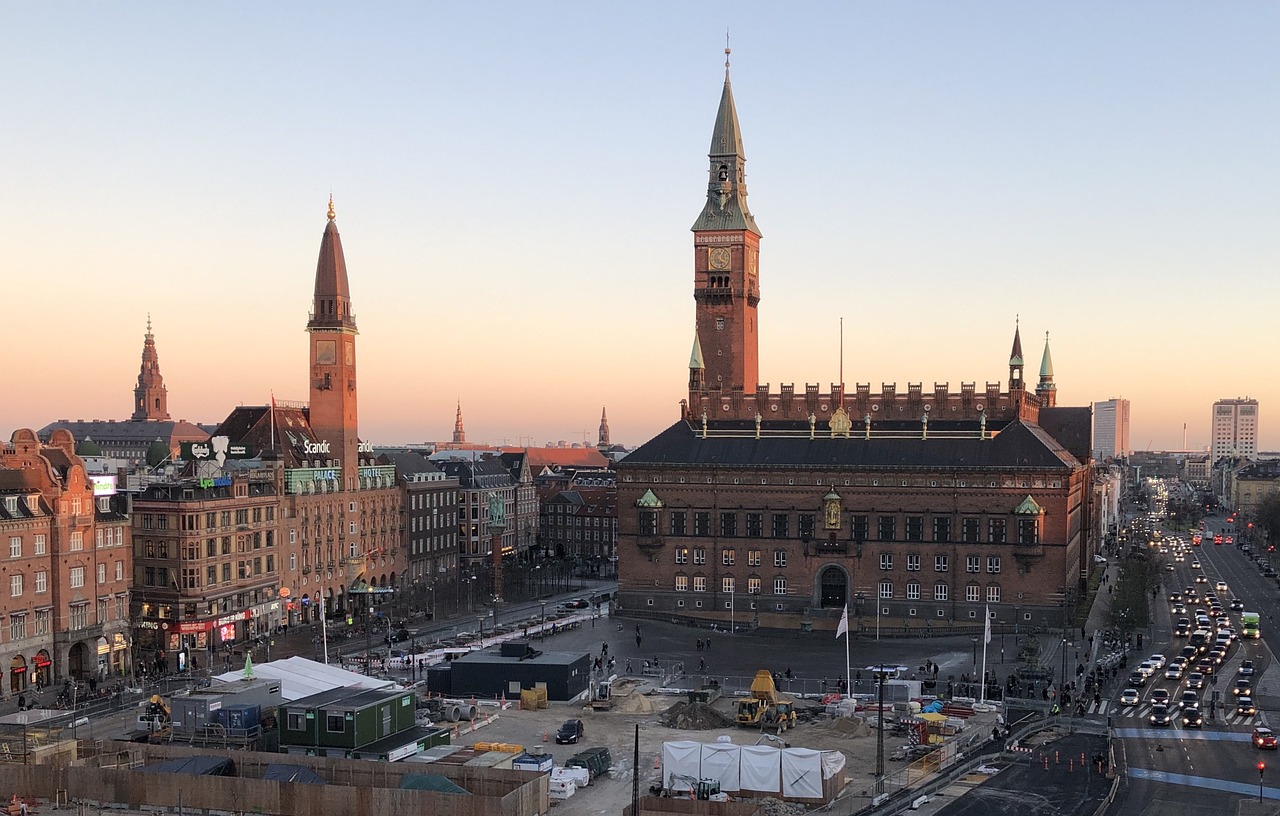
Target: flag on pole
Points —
{"points": [[986, 635], [843, 628]]}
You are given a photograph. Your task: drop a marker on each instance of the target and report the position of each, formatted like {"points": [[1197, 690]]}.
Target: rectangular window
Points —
{"points": [[973, 563], [726, 584], [779, 586], [678, 522], [779, 558], [888, 528], [77, 576], [913, 563], [102, 573], [211, 575], [226, 572], [915, 528], [15, 585], [996, 531], [43, 619], [861, 527], [913, 591], [77, 541], [886, 561], [781, 527], [42, 582], [728, 524], [297, 721], [942, 528], [333, 723], [993, 594], [17, 627], [805, 522], [993, 563], [1028, 531], [40, 545], [701, 523], [886, 589], [15, 547], [755, 525], [970, 529], [119, 570], [699, 583], [940, 563], [242, 516], [753, 586], [682, 583], [728, 556], [648, 522], [682, 555], [939, 591], [973, 593], [699, 556]]}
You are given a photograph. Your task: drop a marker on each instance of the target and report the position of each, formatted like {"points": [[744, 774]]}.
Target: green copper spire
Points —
{"points": [[1046, 362], [695, 357], [726, 207]]}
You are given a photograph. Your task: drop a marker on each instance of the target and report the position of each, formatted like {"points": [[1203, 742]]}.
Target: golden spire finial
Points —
{"points": [[330, 206], [727, 52]]}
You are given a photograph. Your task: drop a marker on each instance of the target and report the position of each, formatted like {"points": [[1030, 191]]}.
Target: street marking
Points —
{"points": [[1185, 734], [1243, 788]]}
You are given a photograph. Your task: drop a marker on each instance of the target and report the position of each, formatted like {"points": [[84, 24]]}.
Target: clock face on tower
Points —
{"points": [[719, 258]]}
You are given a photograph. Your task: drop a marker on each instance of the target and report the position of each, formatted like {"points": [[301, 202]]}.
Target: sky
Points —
{"points": [[515, 183]]}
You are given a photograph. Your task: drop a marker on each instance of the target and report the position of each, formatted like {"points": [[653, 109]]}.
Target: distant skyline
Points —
{"points": [[515, 184]]}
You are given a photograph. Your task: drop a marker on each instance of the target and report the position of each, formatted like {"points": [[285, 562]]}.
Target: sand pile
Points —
{"points": [[634, 704], [851, 727], [695, 717]]}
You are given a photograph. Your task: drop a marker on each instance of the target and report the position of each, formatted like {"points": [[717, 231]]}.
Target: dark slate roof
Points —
{"points": [[408, 463], [480, 473], [148, 430], [1072, 427], [1019, 445]]}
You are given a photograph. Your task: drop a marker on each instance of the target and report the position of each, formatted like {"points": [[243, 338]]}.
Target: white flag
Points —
{"points": [[986, 635], [843, 628]]}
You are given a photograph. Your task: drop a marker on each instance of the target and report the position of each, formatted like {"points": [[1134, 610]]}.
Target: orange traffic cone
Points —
{"points": [[657, 762]]}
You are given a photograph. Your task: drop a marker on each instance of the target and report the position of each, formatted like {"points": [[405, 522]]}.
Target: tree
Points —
{"points": [[1269, 517]]}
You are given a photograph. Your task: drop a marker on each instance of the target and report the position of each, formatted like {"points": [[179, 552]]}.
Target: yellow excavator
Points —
{"points": [[155, 722], [764, 707]]}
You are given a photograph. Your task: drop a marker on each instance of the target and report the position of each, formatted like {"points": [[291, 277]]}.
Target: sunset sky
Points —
{"points": [[515, 183]]}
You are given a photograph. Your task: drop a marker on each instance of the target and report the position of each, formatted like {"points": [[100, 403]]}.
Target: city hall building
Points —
{"points": [[779, 507]]}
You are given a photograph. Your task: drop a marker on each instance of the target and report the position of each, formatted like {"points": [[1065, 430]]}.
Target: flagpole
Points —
{"points": [[986, 638], [848, 664]]}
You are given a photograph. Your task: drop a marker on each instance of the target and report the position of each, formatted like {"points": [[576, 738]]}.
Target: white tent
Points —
{"points": [[300, 677], [682, 758], [720, 761], [801, 773]]}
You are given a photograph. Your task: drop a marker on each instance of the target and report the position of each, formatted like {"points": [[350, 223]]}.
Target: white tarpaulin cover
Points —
{"points": [[683, 758], [832, 763], [801, 773], [720, 762], [300, 677], [760, 769]]}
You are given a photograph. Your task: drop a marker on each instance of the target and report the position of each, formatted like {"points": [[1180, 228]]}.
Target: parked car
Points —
{"points": [[570, 732]]}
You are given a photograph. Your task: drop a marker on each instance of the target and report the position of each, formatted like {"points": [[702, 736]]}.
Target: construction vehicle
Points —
{"points": [[703, 790], [764, 706], [154, 724]]}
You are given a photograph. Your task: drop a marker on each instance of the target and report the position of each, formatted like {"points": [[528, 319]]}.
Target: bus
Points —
{"points": [[1249, 625]]}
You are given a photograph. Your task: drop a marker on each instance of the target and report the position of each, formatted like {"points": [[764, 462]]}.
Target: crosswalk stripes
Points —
{"points": [[1226, 714]]}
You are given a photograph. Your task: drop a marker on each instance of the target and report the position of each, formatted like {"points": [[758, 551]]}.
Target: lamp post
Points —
{"points": [[1262, 769], [880, 675]]}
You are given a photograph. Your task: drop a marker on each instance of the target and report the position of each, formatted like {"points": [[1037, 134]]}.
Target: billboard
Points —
{"points": [[217, 449], [103, 485]]}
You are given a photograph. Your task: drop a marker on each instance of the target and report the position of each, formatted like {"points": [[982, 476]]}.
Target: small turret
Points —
{"points": [[1045, 389], [1015, 360]]}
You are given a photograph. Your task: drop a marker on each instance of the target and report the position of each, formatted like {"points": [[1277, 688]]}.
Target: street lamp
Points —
{"points": [[880, 674], [1262, 769]]}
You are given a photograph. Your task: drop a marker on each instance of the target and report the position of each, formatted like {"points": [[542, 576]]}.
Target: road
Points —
{"points": [[1188, 770]]}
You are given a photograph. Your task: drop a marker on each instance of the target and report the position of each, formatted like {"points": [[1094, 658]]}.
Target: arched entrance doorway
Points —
{"points": [[834, 588], [43, 672], [77, 661], [17, 674]]}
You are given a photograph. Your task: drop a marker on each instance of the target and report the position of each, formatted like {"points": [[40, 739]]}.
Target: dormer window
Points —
{"points": [[33, 503], [11, 504]]}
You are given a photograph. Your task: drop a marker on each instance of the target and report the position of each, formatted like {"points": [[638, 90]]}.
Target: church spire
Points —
{"points": [[726, 207], [459, 434], [331, 308], [150, 397], [1045, 389], [603, 442], [1015, 357]]}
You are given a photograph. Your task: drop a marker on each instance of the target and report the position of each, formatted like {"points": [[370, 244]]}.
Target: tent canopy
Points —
{"points": [[300, 677]]}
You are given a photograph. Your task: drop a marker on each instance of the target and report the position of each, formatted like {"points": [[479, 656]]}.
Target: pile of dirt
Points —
{"points": [[777, 807], [850, 727], [633, 704], [695, 717]]}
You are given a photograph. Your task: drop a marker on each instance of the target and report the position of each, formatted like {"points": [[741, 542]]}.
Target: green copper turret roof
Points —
{"points": [[1046, 362], [726, 207], [695, 357]]}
